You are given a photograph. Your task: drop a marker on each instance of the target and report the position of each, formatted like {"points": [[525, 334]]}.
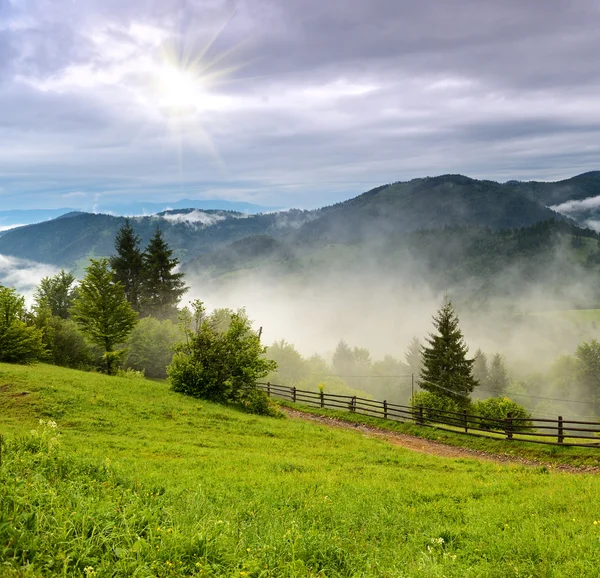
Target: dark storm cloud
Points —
{"points": [[321, 100]]}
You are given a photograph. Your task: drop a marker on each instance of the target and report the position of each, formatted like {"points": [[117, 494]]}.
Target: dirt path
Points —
{"points": [[430, 447]]}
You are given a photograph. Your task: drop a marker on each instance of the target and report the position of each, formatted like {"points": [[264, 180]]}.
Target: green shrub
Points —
{"points": [[495, 409], [221, 359], [256, 401], [435, 405]]}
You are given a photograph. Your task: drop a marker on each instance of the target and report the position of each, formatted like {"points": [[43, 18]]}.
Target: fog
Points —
{"points": [[23, 275]]}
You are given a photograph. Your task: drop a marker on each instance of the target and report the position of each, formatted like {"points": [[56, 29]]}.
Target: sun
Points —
{"points": [[178, 91]]}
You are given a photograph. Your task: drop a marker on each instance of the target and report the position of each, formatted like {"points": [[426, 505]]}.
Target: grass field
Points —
{"points": [[145, 482]]}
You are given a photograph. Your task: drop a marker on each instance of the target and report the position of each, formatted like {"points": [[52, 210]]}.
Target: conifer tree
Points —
{"points": [[162, 288], [480, 368], [102, 311], [498, 377], [446, 369], [127, 263], [413, 357], [56, 294]]}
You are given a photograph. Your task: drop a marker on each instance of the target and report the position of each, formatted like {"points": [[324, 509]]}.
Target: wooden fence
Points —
{"points": [[558, 431]]}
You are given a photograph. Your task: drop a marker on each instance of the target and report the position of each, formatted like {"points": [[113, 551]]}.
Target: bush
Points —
{"points": [[67, 346], [435, 405], [256, 401], [220, 360], [495, 409]]}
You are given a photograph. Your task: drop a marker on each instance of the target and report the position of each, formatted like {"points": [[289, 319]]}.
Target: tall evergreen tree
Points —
{"points": [[498, 377], [102, 311], [446, 369], [162, 288], [127, 263], [480, 368], [413, 357]]}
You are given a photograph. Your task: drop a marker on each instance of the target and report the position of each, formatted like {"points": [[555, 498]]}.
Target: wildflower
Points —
{"points": [[596, 522], [89, 571]]}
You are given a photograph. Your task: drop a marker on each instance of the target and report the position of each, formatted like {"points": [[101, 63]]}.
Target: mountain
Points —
{"points": [[71, 239], [430, 203], [427, 203], [150, 208], [17, 217]]}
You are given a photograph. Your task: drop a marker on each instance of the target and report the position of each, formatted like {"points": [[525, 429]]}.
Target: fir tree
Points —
{"points": [[127, 263], [498, 377], [413, 357], [102, 311], [56, 294], [162, 288], [446, 369], [480, 368]]}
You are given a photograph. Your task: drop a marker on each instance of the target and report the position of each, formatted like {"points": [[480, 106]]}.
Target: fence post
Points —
{"points": [[508, 426], [420, 419], [385, 409], [465, 421], [269, 388], [322, 396], [294, 394], [353, 404], [561, 435]]}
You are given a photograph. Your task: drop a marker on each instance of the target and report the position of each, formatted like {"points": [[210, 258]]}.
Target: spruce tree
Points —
{"points": [[102, 311], [498, 377], [413, 356], [446, 369], [127, 263], [162, 288], [343, 359], [480, 368]]}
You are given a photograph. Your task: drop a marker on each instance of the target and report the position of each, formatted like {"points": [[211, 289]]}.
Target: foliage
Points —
{"points": [[219, 364], [290, 364], [56, 294], [588, 356], [162, 288], [413, 357], [495, 409], [19, 342], [446, 369], [480, 368], [102, 311], [343, 360], [67, 345], [150, 346], [127, 263], [435, 405], [256, 401], [498, 376]]}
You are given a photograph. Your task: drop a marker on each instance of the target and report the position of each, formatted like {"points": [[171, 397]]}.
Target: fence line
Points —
{"points": [[560, 431]]}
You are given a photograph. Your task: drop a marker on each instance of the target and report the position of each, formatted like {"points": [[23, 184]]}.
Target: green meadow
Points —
{"points": [[136, 480]]}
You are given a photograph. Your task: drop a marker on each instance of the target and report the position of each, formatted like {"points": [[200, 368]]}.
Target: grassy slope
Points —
{"points": [[150, 483]]}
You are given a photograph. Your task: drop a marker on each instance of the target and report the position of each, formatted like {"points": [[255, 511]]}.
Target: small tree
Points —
{"points": [[162, 289], [102, 311], [19, 343], [498, 376], [220, 364], [446, 369], [56, 294], [127, 263]]}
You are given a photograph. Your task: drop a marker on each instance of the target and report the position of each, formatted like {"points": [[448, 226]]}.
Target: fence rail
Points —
{"points": [[560, 431]]}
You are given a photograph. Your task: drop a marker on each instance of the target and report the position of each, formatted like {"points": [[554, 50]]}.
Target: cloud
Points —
{"points": [[195, 217], [305, 103], [578, 206], [23, 275], [8, 227]]}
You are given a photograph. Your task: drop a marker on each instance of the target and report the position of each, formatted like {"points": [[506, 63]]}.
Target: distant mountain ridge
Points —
{"points": [[429, 203]]}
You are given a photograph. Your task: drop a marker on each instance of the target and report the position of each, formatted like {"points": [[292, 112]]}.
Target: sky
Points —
{"points": [[291, 104]]}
